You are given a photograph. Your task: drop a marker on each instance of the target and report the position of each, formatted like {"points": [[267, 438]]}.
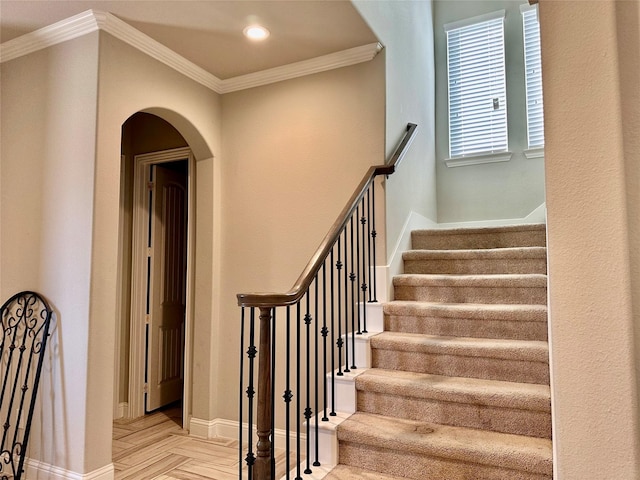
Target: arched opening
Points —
{"points": [[155, 265]]}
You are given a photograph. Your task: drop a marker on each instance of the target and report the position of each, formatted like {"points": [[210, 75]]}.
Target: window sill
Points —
{"points": [[478, 159], [534, 153]]}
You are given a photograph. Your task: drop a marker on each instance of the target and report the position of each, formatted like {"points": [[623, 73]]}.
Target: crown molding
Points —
{"points": [[134, 37], [68, 29], [93, 20], [331, 61]]}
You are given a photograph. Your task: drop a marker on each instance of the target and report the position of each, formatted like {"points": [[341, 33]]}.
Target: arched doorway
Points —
{"points": [[155, 266]]}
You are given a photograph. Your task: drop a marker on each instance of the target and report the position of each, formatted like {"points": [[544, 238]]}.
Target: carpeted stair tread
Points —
{"points": [[457, 389], [380, 434], [346, 472], [487, 261], [478, 238], [497, 288], [507, 407], [495, 281], [523, 361], [515, 321], [480, 311], [523, 350]]}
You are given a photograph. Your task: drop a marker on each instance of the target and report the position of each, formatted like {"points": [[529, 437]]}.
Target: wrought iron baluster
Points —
{"points": [[287, 394], [333, 318], [370, 266], [240, 410], [307, 411], [347, 299], [374, 234], [352, 278], [299, 395], [363, 287], [339, 342], [357, 279], [251, 353], [325, 332], [316, 463]]}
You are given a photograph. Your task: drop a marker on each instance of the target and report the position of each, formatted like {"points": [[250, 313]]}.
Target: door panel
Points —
{"points": [[165, 352]]}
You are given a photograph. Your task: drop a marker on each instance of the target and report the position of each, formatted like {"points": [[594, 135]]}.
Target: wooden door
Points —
{"points": [[167, 288]]}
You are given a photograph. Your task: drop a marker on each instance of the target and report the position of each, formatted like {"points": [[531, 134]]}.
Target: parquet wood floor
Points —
{"points": [[156, 447]]}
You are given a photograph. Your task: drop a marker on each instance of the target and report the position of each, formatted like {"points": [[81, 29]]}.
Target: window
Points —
{"points": [[533, 76], [477, 86]]}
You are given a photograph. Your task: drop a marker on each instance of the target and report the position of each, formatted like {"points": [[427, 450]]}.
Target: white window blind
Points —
{"points": [[477, 90], [533, 76]]}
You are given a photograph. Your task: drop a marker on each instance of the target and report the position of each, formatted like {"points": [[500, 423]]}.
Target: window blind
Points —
{"points": [[477, 86], [533, 76]]}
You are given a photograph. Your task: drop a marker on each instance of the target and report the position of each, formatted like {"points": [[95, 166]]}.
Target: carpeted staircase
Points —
{"points": [[459, 387]]}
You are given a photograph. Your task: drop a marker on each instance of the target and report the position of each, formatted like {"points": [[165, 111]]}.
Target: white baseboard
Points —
{"points": [[36, 470], [414, 221], [123, 410], [221, 427], [538, 215]]}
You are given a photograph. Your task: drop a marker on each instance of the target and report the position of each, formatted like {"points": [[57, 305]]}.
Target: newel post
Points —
{"points": [[263, 466]]}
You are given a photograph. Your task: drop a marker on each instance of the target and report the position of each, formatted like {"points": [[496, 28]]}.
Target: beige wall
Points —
{"points": [[293, 154], [47, 155], [131, 82], [591, 87], [489, 191], [406, 30]]}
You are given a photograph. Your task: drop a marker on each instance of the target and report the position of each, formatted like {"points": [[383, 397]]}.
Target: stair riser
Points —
{"points": [[506, 420], [460, 366], [491, 295], [476, 267], [427, 467], [435, 241], [464, 327]]}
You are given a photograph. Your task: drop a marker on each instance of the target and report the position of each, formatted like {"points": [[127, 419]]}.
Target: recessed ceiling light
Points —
{"points": [[256, 32]]}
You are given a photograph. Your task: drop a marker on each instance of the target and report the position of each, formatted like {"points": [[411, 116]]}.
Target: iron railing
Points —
{"points": [[25, 319], [314, 326]]}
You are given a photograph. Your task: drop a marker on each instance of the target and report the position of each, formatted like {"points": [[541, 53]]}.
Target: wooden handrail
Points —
{"points": [[318, 258]]}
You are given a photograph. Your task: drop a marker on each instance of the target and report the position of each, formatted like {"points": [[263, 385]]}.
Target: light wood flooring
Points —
{"points": [[156, 447]]}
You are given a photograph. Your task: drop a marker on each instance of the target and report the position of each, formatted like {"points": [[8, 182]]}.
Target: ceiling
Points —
{"points": [[209, 32]]}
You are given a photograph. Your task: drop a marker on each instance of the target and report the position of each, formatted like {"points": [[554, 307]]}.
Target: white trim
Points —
{"points": [[478, 159], [117, 411], [138, 280], [122, 410], [45, 471], [538, 215], [331, 61], [224, 428], [134, 37], [68, 29], [414, 221], [93, 20], [534, 152], [470, 21], [525, 7]]}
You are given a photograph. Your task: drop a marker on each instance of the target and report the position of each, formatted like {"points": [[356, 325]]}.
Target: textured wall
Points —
{"points": [[590, 74]]}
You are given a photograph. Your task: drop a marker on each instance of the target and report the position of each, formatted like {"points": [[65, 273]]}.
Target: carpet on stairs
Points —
{"points": [[459, 384]]}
